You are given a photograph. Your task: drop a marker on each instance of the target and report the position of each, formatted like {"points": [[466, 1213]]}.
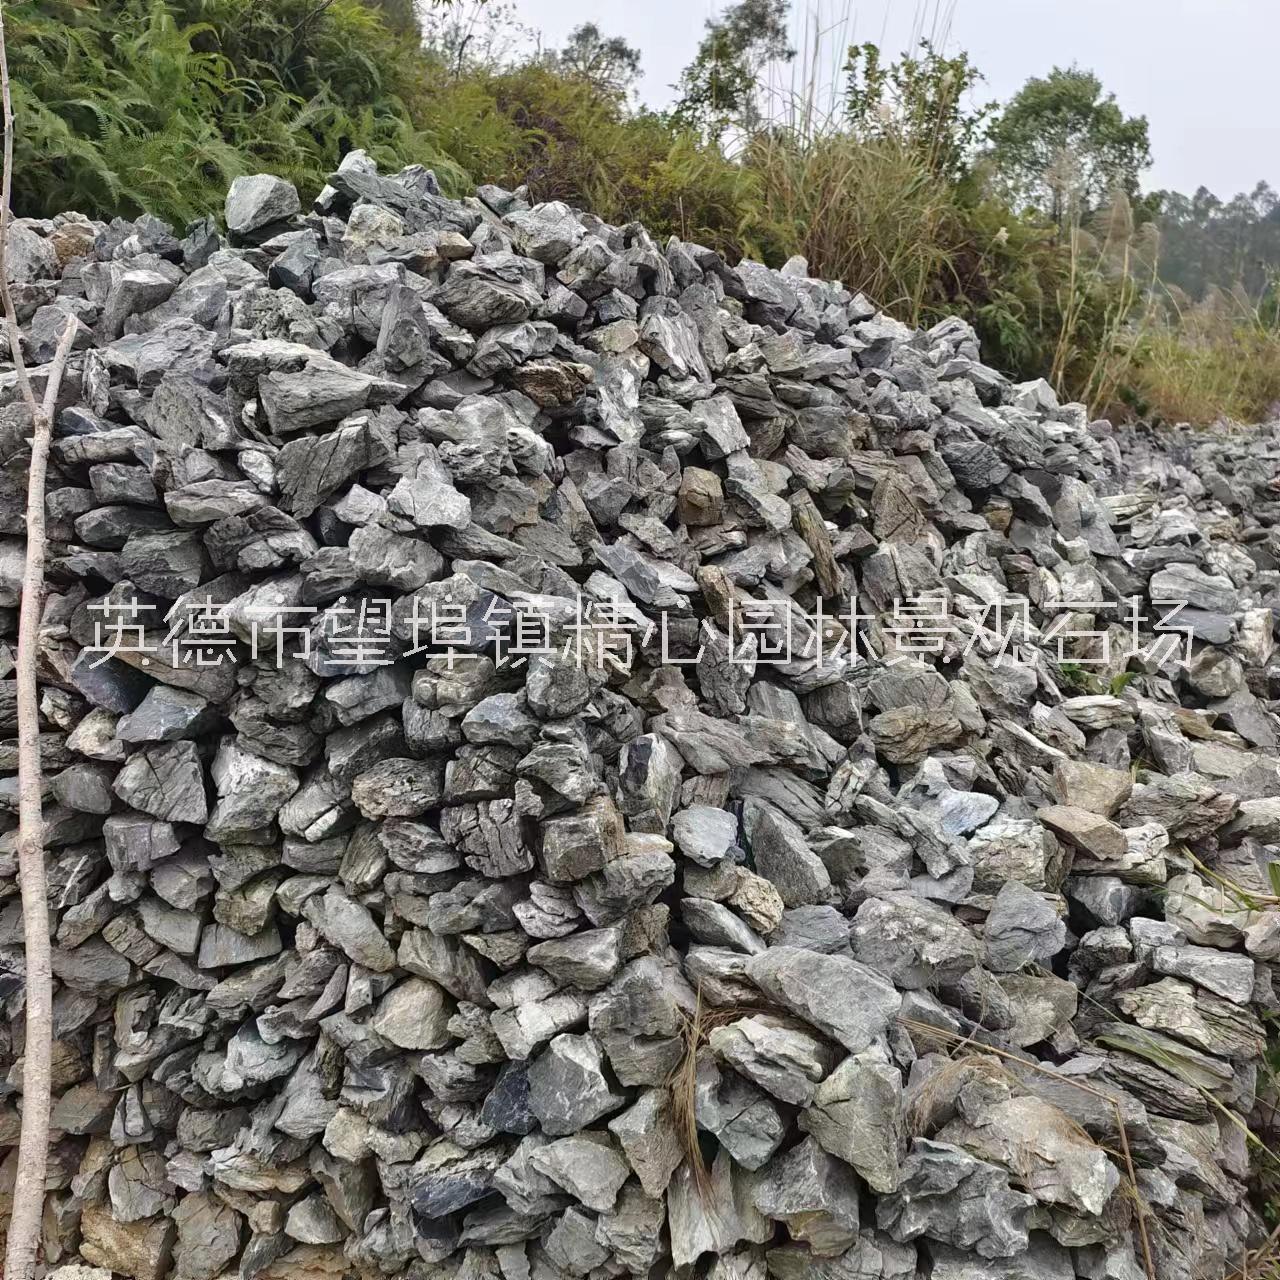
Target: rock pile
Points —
{"points": [[568, 758]]}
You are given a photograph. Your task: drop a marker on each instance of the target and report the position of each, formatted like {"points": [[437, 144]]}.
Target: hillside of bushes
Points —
{"points": [[1026, 217]]}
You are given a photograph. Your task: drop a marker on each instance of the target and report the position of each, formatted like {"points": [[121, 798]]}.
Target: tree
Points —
{"points": [[920, 100], [1207, 243], [607, 62], [718, 88], [1062, 146]]}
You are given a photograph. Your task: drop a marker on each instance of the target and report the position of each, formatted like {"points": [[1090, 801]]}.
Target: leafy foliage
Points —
{"points": [[920, 99], [155, 105], [1207, 242], [608, 62], [1062, 146], [719, 88]]}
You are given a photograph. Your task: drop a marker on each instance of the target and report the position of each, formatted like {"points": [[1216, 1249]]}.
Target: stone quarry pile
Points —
{"points": [[569, 758]]}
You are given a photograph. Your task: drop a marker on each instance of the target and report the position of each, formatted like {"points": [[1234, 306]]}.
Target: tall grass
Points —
{"points": [[1216, 362], [864, 212]]}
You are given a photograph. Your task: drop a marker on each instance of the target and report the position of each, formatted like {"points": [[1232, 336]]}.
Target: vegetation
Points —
{"points": [[132, 105], [1028, 219], [1064, 148], [1208, 243]]}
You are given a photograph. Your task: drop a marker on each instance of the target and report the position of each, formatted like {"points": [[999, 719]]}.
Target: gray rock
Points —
{"points": [[166, 782], [783, 1060], [1022, 929], [842, 998], [1056, 1162], [856, 1114], [350, 927], [257, 201], [782, 856], [952, 1197], [705, 835], [746, 1122], [587, 1166], [646, 1132], [913, 942], [814, 1195], [1226, 975], [568, 1089], [414, 1014]]}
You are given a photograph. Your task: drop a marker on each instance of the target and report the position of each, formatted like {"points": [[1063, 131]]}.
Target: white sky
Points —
{"points": [[1203, 72]]}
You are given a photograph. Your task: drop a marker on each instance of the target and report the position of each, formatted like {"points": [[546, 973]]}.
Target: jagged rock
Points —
{"points": [[209, 1237], [166, 782], [647, 1135], [1022, 929], [1206, 1021], [782, 857], [258, 201], [1055, 1161], [785, 1061], [414, 1014], [913, 942], [744, 1119], [814, 1195], [567, 1085], [857, 1115], [1089, 832], [842, 998], [1226, 975], [953, 1197], [704, 835], [1096, 788], [140, 1250], [587, 1166], [350, 927]]}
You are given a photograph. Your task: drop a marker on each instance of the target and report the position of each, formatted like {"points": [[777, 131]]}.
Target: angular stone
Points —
{"points": [[705, 835], [575, 845], [783, 1060], [140, 1250], [950, 1196], [567, 1085], [414, 1014], [647, 1134], [1022, 929], [258, 200], [166, 782], [350, 927], [814, 1195], [587, 1166], [1080, 784], [842, 998], [857, 1115], [784, 858], [1089, 832]]}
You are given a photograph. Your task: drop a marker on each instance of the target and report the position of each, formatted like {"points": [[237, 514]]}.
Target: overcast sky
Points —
{"points": [[1203, 72]]}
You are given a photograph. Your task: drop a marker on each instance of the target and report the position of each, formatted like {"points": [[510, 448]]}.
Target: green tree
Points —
{"points": [[718, 89], [921, 99], [1207, 243], [1062, 146], [608, 62]]}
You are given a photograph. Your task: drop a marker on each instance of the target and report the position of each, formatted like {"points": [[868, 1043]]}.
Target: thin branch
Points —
{"points": [[26, 1217], [57, 368]]}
